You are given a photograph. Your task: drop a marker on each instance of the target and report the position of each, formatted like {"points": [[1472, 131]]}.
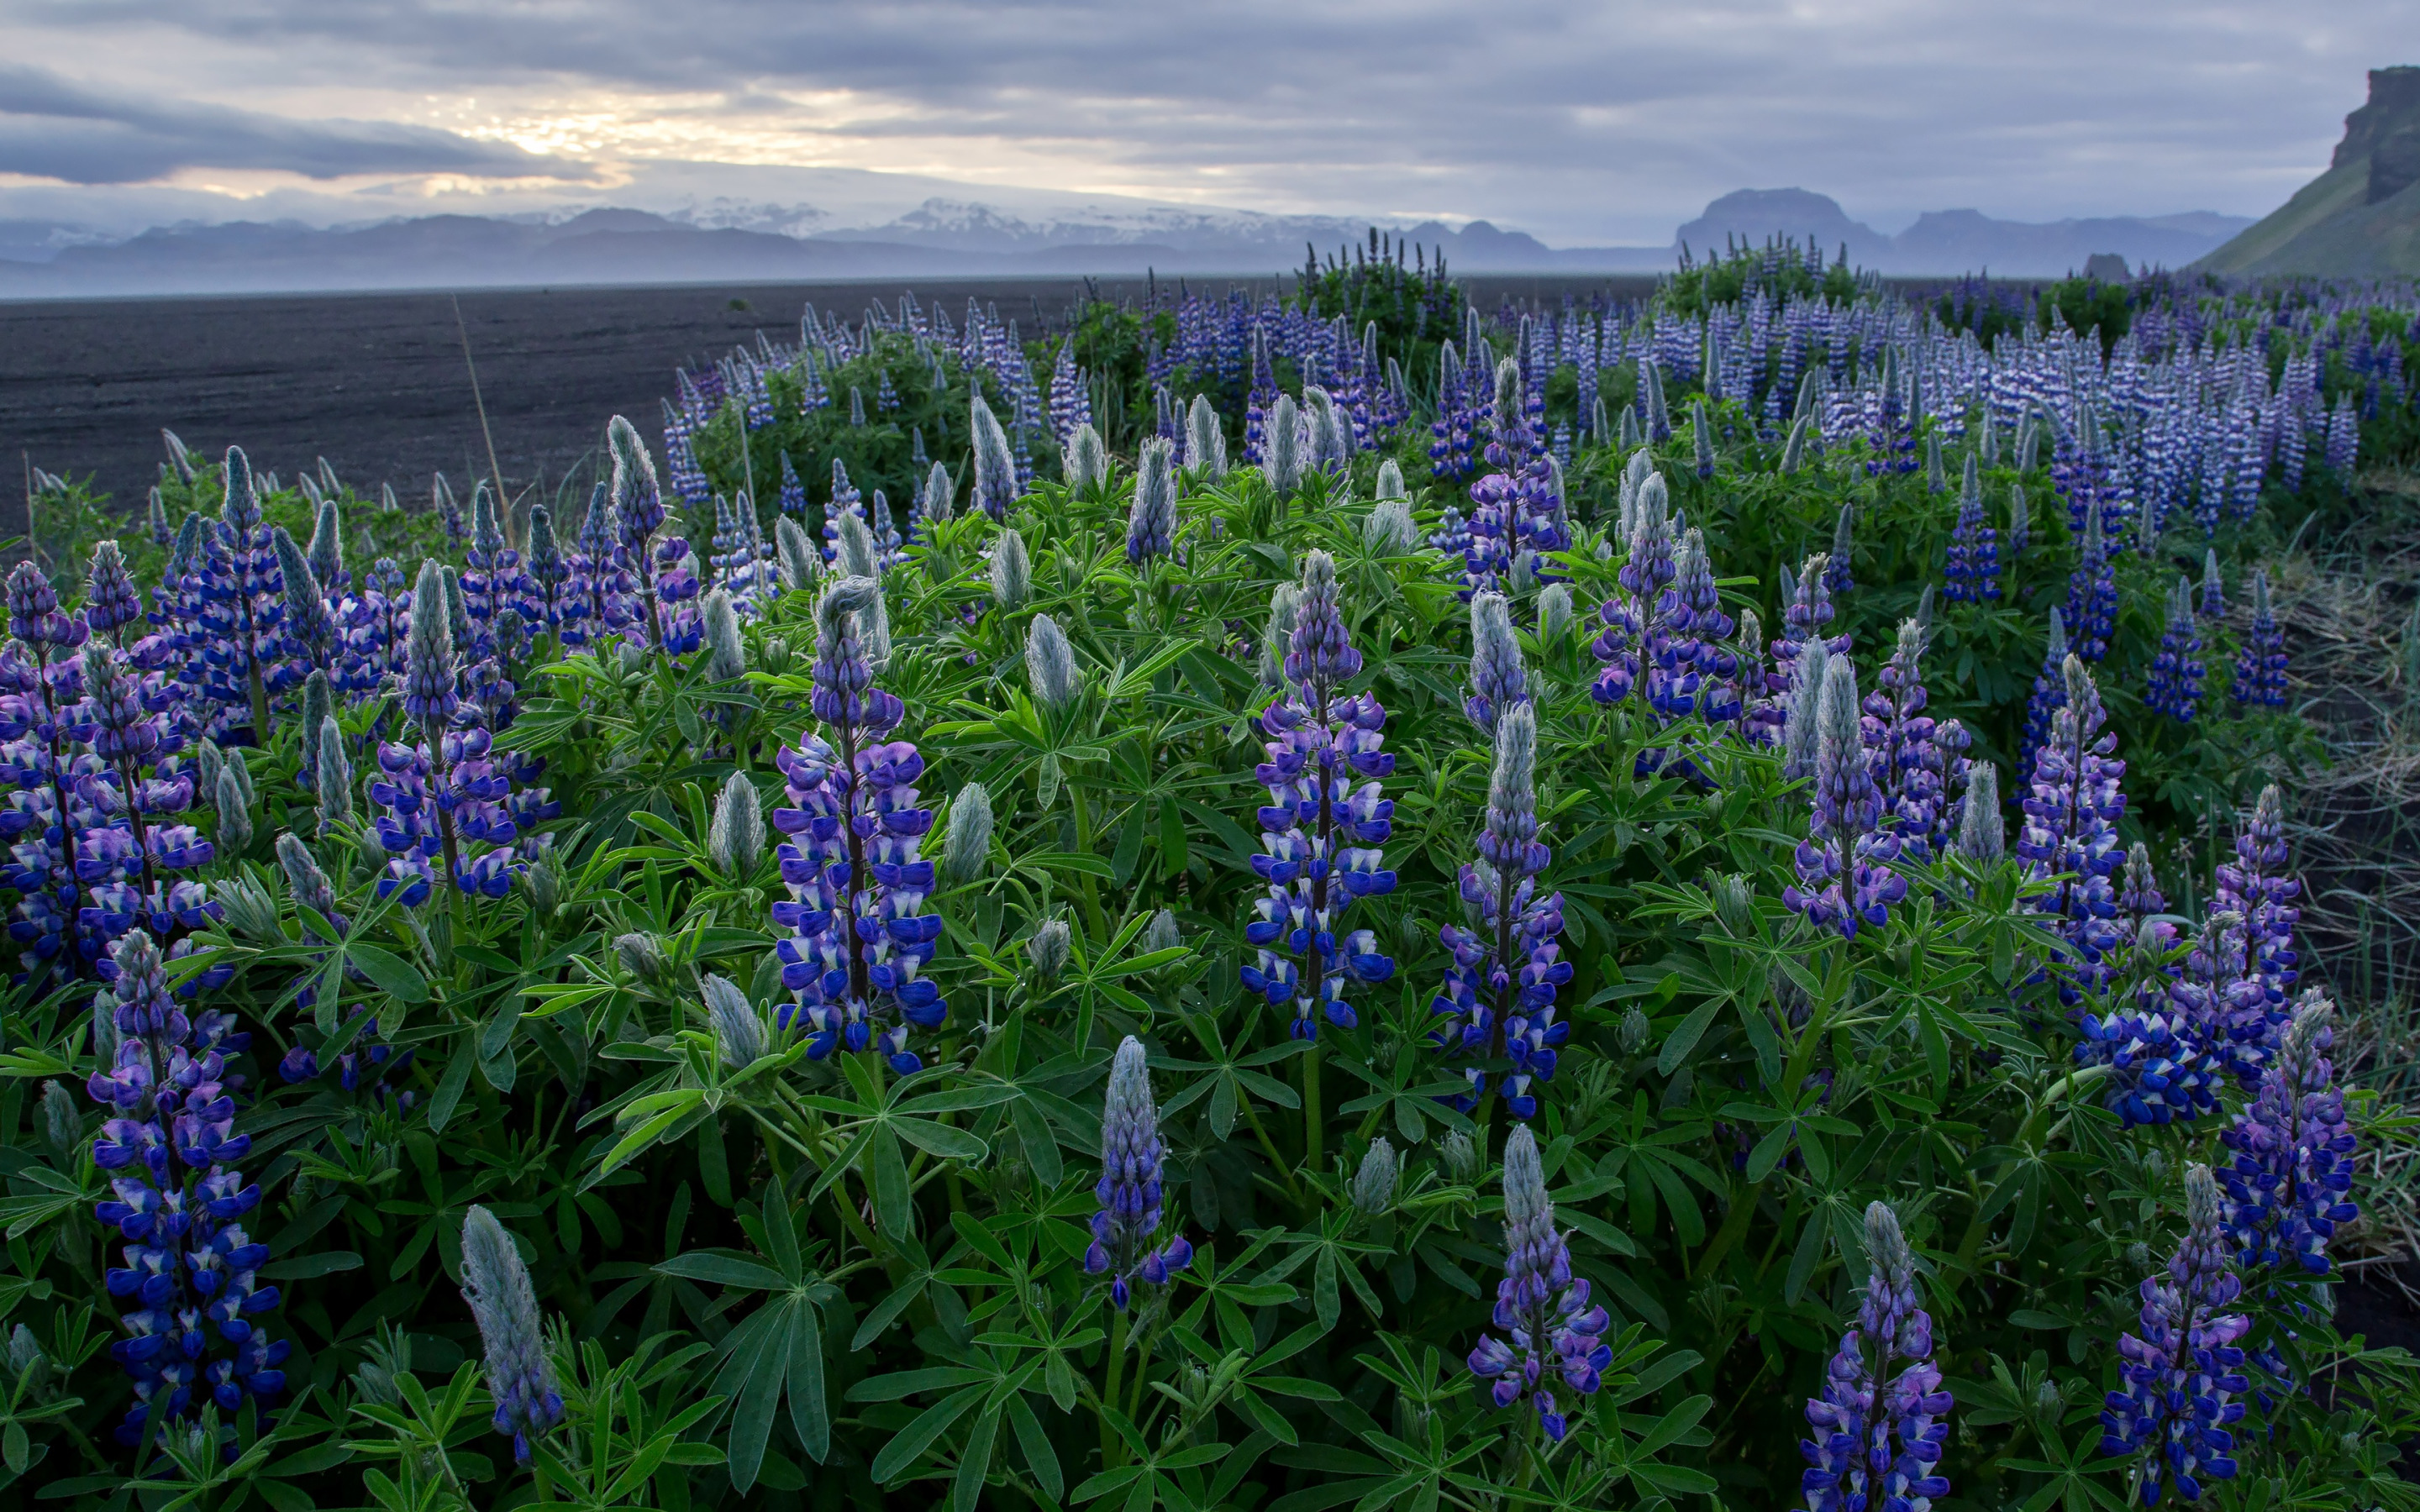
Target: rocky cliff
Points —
{"points": [[2362, 217]]}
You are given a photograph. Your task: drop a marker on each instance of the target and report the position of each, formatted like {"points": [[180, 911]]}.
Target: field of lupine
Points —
{"points": [[1347, 902]]}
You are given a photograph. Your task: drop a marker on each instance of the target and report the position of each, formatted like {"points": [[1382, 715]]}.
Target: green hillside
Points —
{"points": [[2362, 217]]}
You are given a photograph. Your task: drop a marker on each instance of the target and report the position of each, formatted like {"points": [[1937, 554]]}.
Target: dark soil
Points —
{"points": [[376, 382]]}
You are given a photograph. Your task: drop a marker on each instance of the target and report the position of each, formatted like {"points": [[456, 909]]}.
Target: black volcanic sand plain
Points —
{"points": [[376, 384]]}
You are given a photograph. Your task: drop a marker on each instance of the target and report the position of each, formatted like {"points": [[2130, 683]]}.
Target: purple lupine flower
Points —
{"points": [[125, 855], [2214, 588], [310, 625], [638, 509], [2184, 1371], [521, 1377], [1845, 880], [2260, 665], [2255, 885], [2290, 1181], [1507, 963], [111, 600], [1903, 751], [1543, 1309], [1516, 510], [1497, 678], [846, 500], [241, 608], [1880, 1435], [1839, 577], [2092, 591], [2048, 697], [493, 582], [2160, 1070], [1130, 1188], [171, 1150], [858, 939], [1973, 570], [548, 571], [2071, 833], [1323, 836], [793, 495], [2176, 668]]}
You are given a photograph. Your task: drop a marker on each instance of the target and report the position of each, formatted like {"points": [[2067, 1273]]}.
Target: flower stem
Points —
{"points": [[1109, 1456]]}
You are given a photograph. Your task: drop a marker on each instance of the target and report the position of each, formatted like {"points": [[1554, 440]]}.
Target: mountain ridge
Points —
{"points": [[2361, 218]]}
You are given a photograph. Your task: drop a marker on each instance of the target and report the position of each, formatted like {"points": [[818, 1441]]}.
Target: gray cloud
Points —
{"points": [[52, 127], [1585, 120]]}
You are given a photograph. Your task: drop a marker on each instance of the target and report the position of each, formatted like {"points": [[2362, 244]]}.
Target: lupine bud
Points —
{"points": [[1703, 433], [521, 1377], [27, 1362], [1982, 834], [642, 957], [318, 705], [1281, 453], [303, 879], [1498, 680], [1151, 523], [801, 564], [1162, 934], [2021, 523], [1634, 1029], [110, 597], [726, 658], [1553, 612], [735, 838], [545, 882], [1459, 1155], [996, 486], [1390, 481], [1130, 1188], [1205, 439], [1050, 663], [250, 910], [105, 1033], [738, 1032], [966, 844], [1084, 462], [429, 695], [1389, 530], [335, 776], [1285, 609], [62, 1120], [1374, 1182], [939, 498], [235, 813], [1793, 449], [1011, 571], [306, 612], [855, 553], [1805, 702], [1049, 950]]}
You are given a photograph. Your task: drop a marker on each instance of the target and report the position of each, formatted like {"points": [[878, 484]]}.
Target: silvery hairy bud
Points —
{"points": [[1553, 612], [1049, 950], [738, 1032], [1634, 1029], [62, 1120], [1049, 663], [1373, 1185], [642, 957], [965, 842], [1011, 571], [735, 838], [1460, 1156]]}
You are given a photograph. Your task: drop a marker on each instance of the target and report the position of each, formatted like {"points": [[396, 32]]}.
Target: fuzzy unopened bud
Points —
{"points": [[334, 778], [735, 836], [1389, 530], [1205, 439], [235, 814], [1049, 947], [521, 1377], [726, 658], [1162, 934], [1634, 1029], [1285, 609], [739, 1031], [1374, 1182], [1084, 462], [642, 957], [1459, 1155], [801, 564], [1390, 481], [62, 1119], [965, 842], [544, 886], [1011, 571], [1553, 612], [853, 553], [1049, 663], [308, 885], [940, 495], [1282, 446], [1983, 834]]}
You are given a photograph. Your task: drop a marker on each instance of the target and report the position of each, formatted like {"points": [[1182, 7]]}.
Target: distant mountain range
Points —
{"points": [[973, 231], [2362, 217]]}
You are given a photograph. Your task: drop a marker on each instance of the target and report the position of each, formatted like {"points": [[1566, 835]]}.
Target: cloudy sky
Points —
{"points": [[1583, 122]]}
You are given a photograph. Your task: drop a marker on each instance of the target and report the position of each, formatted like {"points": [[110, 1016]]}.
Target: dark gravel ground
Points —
{"points": [[376, 384]]}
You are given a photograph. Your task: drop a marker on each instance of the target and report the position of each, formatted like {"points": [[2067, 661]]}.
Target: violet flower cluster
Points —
{"points": [[1845, 881], [1322, 835], [1879, 1435], [1125, 1229], [2260, 665], [2069, 837], [191, 1283], [858, 938], [2290, 1182], [1543, 1310], [1507, 961], [2176, 668], [1974, 569], [2185, 1370], [2092, 591], [1517, 514]]}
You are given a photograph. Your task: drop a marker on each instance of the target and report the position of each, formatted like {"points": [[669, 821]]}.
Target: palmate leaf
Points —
{"points": [[777, 1351]]}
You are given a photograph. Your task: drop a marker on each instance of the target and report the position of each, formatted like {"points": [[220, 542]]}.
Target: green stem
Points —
{"points": [[1276, 1162], [1313, 1134], [1109, 1456], [1095, 923]]}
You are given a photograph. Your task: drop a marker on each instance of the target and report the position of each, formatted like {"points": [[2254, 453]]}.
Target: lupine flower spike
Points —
{"points": [[1321, 834], [2184, 1371], [859, 937], [1879, 1435], [1543, 1310], [1130, 1188], [521, 1377]]}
